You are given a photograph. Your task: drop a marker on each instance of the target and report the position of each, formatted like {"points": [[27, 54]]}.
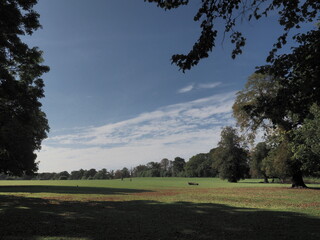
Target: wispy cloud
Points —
{"points": [[186, 88], [191, 87], [182, 129], [209, 85]]}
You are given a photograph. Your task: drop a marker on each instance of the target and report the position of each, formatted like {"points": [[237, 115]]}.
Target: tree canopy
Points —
{"points": [[291, 15], [200, 165], [306, 143], [230, 158], [283, 109], [23, 125], [259, 153], [281, 95], [178, 166]]}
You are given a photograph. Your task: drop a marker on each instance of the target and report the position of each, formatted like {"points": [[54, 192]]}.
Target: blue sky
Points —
{"points": [[113, 99]]}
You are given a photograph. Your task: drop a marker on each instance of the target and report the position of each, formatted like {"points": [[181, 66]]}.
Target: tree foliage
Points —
{"points": [[276, 163], [23, 125], [306, 143], [165, 164], [140, 171], [249, 108], [297, 78], [200, 165], [285, 90], [178, 166], [102, 174], [291, 14], [152, 169], [281, 104], [259, 153], [230, 157]]}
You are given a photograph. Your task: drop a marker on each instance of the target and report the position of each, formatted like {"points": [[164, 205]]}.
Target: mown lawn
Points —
{"points": [[157, 208]]}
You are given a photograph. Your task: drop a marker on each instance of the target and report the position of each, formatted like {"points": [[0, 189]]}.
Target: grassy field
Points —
{"points": [[157, 208]]}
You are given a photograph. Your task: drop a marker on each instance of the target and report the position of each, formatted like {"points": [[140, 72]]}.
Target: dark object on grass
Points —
{"points": [[193, 183]]}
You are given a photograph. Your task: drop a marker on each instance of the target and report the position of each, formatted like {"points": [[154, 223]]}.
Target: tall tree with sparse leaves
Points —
{"points": [[23, 125]]}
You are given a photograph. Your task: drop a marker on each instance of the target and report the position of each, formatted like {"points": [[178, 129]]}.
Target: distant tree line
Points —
{"points": [[65, 175], [231, 160]]}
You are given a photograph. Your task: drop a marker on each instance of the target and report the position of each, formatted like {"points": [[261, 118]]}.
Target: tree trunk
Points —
{"points": [[265, 179], [297, 180], [232, 180]]}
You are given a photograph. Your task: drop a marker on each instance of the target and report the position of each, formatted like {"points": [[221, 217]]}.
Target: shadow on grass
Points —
{"points": [[69, 190], [33, 218], [281, 184]]}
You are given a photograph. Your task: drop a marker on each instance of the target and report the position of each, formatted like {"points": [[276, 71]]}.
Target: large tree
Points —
{"points": [[259, 153], [283, 94], [281, 101], [178, 166], [276, 163], [230, 157], [305, 143], [291, 15], [165, 165], [23, 125]]}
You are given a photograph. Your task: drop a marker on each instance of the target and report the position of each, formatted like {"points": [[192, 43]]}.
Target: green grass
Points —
{"points": [[157, 208], [147, 183]]}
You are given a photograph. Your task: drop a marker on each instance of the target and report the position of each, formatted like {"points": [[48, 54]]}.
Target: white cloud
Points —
{"points": [[186, 88], [209, 85], [60, 159], [182, 129], [198, 86]]}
